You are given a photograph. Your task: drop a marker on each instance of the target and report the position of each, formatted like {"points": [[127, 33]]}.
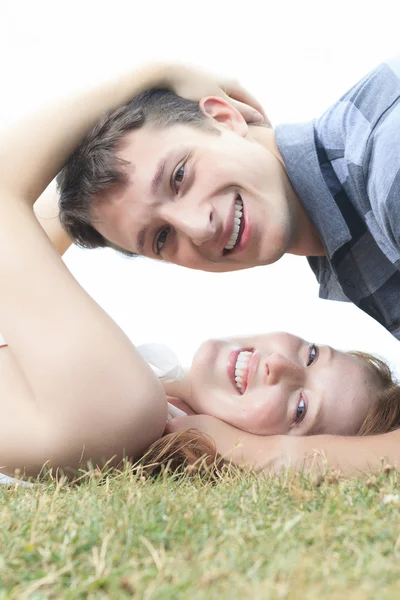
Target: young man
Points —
{"points": [[194, 184]]}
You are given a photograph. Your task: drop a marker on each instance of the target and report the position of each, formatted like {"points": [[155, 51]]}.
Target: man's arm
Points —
{"points": [[381, 163], [46, 211], [84, 384], [62, 127], [271, 453]]}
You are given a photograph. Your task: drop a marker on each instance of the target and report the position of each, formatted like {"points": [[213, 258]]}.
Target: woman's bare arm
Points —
{"points": [[271, 453]]}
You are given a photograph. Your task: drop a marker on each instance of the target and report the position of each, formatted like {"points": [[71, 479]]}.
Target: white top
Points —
{"points": [[167, 368], [5, 479]]}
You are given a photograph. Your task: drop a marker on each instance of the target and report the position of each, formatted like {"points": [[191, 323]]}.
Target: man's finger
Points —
{"points": [[235, 91], [249, 114]]}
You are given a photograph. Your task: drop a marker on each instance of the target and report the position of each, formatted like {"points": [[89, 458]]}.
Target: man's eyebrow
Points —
{"points": [[314, 429], [158, 176], [154, 187], [140, 240]]}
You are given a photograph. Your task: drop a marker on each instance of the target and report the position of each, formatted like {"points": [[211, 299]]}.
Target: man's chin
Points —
{"points": [[231, 266]]}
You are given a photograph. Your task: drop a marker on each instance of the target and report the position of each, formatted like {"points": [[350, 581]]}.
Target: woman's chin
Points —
{"points": [[206, 356]]}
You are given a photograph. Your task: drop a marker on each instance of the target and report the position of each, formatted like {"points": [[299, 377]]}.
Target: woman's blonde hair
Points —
{"points": [[384, 414], [187, 451], [195, 452]]}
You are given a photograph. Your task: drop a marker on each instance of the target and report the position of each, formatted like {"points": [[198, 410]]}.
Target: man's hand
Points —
{"points": [[194, 83]]}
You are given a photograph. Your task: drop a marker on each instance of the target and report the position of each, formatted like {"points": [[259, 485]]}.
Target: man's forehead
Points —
{"points": [[141, 156], [146, 166], [151, 136], [137, 144], [124, 209], [118, 217]]}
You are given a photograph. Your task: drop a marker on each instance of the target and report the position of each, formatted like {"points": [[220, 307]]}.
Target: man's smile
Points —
{"points": [[238, 230], [235, 226]]}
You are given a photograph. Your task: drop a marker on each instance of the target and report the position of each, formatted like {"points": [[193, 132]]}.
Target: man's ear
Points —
{"points": [[224, 113]]}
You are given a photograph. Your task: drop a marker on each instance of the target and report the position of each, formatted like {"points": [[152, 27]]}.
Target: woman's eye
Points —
{"points": [[179, 176], [301, 411], [312, 354], [161, 239]]}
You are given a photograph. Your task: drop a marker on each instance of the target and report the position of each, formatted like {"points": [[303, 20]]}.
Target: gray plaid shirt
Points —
{"points": [[345, 167]]}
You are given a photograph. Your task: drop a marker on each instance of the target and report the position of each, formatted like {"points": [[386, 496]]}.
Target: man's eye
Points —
{"points": [[161, 239], [312, 354], [179, 176], [300, 412]]}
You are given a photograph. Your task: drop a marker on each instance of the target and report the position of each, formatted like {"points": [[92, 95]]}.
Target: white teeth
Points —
{"points": [[238, 217], [241, 369]]}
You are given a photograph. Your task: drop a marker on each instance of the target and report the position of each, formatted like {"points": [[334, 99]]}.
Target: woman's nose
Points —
{"points": [[278, 368]]}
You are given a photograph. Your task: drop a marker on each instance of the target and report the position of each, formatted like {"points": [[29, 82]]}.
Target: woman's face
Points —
{"points": [[280, 384]]}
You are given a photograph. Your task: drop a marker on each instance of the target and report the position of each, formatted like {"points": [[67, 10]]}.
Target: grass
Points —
{"points": [[123, 536]]}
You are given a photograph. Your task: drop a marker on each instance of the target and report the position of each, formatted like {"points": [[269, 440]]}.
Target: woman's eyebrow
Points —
{"points": [[328, 357], [331, 355], [314, 429], [141, 240]]}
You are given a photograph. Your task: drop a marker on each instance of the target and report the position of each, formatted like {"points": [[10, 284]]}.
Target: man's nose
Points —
{"points": [[278, 368], [197, 223]]}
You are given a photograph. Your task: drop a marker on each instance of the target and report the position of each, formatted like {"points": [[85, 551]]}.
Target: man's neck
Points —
{"points": [[306, 240]]}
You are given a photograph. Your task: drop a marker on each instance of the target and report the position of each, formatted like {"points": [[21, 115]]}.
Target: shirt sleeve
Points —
{"points": [[382, 165]]}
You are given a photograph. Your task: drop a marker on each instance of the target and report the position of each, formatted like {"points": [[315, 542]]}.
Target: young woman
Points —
{"points": [[73, 388], [335, 399], [358, 450]]}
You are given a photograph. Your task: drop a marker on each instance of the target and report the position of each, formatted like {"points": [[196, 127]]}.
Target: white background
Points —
{"points": [[296, 57]]}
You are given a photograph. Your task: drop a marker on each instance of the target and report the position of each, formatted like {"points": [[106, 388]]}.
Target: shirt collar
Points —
{"points": [[296, 144]]}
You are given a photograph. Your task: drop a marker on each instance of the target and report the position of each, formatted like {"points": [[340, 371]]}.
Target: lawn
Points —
{"points": [[122, 535]]}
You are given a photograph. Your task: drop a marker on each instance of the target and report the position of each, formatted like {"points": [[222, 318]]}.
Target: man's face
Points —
{"points": [[215, 200]]}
